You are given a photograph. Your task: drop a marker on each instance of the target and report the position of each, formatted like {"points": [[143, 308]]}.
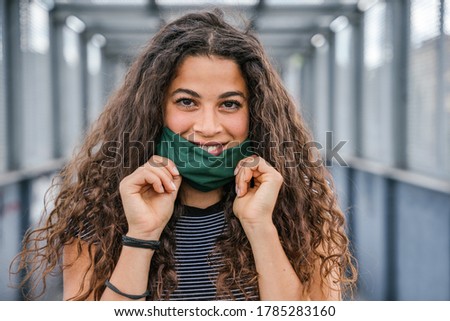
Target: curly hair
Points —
{"points": [[309, 221]]}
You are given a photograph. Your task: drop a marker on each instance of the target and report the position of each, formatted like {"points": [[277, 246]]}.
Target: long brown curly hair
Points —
{"points": [[307, 217]]}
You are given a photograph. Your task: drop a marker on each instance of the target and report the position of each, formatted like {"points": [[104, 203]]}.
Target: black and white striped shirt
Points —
{"points": [[196, 233]]}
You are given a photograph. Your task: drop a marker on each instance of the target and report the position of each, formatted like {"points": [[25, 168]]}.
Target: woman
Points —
{"points": [[259, 222]]}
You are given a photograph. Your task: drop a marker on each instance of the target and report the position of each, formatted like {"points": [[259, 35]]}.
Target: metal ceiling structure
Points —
{"points": [[284, 26]]}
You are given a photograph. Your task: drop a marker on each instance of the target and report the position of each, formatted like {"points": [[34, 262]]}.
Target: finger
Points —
{"points": [[248, 161], [251, 162], [139, 180], [163, 162], [243, 175], [258, 169], [157, 167], [164, 165], [166, 178], [154, 181], [258, 164], [243, 180]]}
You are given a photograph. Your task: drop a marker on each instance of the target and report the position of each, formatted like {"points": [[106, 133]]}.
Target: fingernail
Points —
{"points": [[238, 192], [173, 186], [236, 170], [175, 170]]}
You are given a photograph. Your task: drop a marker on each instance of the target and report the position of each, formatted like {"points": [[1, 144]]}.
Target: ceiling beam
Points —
{"points": [[153, 9], [127, 27], [308, 9], [92, 8], [291, 31]]}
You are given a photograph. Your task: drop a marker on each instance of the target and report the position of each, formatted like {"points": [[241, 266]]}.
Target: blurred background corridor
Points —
{"points": [[372, 78]]}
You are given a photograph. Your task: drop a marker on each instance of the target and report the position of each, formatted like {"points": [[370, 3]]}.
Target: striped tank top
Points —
{"points": [[196, 233]]}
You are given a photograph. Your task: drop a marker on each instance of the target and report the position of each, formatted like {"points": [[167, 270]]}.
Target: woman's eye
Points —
{"points": [[232, 104], [185, 102]]}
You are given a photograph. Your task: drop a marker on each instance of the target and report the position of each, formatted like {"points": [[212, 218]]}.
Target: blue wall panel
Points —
{"points": [[370, 241], [10, 221], [341, 185], [423, 237]]}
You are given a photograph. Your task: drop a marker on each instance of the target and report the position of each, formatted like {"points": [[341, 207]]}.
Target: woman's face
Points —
{"points": [[207, 103]]}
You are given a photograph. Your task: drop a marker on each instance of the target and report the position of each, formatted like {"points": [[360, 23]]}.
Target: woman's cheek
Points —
{"points": [[178, 122]]}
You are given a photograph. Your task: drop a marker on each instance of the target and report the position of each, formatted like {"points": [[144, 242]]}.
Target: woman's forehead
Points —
{"points": [[211, 72]]}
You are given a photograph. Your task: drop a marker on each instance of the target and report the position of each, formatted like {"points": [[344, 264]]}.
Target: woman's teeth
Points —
{"points": [[212, 149]]}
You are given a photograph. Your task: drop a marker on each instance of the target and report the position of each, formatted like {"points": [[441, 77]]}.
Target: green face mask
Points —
{"points": [[200, 169]]}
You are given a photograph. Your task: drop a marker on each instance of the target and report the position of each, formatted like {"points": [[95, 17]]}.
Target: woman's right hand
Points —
{"points": [[148, 196]]}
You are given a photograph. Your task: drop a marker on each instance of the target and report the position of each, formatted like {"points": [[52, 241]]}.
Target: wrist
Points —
{"points": [[135, 242], [260, 231], [151, 235]]}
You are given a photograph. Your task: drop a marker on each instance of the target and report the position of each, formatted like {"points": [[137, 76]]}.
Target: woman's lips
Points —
{"points": [[214, 148]]}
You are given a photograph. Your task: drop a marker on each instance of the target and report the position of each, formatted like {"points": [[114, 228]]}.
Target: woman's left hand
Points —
{"points": [[254, 205]]}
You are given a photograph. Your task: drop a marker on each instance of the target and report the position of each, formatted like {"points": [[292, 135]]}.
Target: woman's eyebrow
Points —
{"points": [[186, 91], [197, 95], [231, 94]]}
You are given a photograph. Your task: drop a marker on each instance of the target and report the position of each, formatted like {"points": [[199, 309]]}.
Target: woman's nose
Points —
{"points": [[208, 123]]}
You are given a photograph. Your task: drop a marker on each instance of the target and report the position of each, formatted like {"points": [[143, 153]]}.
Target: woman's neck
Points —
{"points": [[192, 197]]}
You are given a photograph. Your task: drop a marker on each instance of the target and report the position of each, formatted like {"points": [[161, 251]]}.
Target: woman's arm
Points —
{"points": [[148, 196], [254, 207], [277, 279], [130, 274], [75, 269]]}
